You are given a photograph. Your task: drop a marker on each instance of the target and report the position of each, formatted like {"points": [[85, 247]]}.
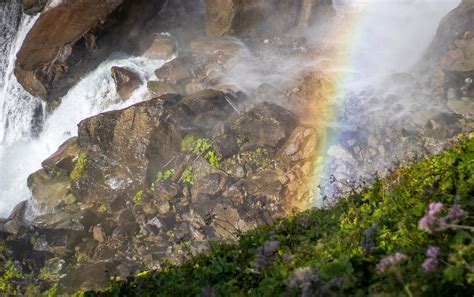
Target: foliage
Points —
{"points": [[200, 146], [369, 243], [188, 176], [10, 273], [80, 167], [138, 197], [161, 176]]}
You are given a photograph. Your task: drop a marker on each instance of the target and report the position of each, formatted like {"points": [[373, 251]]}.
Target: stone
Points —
{"points": [[163, 47], [47, 46], [265, 124], [160, 88], [32, 7], [62, 161], [247, 17], [218, 50], [461, 107], [176, 71], [126, 81]]}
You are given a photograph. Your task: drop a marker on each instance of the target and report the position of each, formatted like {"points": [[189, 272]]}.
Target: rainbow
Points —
{"points": [[342, 59]]}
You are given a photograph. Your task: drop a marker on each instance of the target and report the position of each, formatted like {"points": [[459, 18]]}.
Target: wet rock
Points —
{"points": [[47, 46], [159, 88], [443, 126], [32, 7], [163, 47], [126, 81], [176, 71], [237, 17], [50, 191], [218, 50], [265, 124], [63, 160]]}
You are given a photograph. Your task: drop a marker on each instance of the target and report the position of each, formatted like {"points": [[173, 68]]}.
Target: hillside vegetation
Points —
{"points": [[410, 234]]}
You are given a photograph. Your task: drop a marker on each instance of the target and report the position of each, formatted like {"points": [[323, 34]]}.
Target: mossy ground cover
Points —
{"points": [[410, 234]]}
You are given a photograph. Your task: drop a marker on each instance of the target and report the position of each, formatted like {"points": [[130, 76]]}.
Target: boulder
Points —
{"points": [[45, 51], [176, 71], [159, 88], [163, 47], [61, 47], [266, 124], [246, 17], [126, 81]]}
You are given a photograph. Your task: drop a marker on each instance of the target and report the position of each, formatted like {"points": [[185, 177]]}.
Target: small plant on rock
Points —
{"points": [[80, 167], [138, 197]]}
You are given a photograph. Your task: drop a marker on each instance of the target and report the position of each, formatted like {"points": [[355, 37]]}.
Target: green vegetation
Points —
{"points": [[138, 197], [162, 176], [188, 176], [408, 235], [10, 273], [80, 167], [200, 146]]}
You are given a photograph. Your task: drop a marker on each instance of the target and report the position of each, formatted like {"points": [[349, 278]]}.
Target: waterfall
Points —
{"points": [[95, 93], [22, 146]]}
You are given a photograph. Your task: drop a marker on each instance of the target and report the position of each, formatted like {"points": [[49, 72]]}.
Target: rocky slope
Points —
{"points": [[200, 159]]}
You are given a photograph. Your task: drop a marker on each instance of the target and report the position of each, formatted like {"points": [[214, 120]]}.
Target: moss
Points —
{"points": [[79, 168], [335, 251]]}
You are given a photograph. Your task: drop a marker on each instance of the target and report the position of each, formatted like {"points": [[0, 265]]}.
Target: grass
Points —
{"points": [[346, 250]]}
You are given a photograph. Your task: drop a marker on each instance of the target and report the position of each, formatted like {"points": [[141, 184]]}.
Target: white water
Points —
{"points": [[94, 94]]}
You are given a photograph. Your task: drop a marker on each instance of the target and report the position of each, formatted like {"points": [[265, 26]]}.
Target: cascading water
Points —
{"points": [[21, 149], [94, 94]]}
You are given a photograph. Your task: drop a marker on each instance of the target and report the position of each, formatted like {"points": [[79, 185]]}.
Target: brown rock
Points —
{"points": [[126, 81], [159, 88], [164, 47], [243, 17], [47, 46]]}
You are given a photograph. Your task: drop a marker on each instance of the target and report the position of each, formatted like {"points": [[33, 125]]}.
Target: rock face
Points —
{"points": [[452, 53], [44, 54], [244, 17], [70, 38]]}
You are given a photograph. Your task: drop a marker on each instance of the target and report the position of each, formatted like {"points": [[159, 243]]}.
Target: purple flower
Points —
{"points": [[435, 208], [430, 264], [426, 223], [432, 252], [391, 261], [456, 213]]}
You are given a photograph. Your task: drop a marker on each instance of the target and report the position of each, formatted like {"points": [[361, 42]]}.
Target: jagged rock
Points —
{"points": [[126, 81], [159, 88], [63, 160], [176, 71], [32, 7], [244, 17], [50, 191], [265, 124], [164, 47]]}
